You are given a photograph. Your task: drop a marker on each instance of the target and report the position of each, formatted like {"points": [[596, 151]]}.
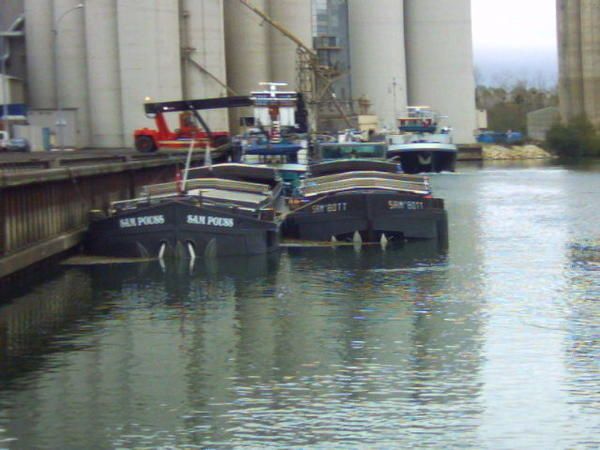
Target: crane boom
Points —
{"points": [[204, 70], [202, 104], [280, 28]]}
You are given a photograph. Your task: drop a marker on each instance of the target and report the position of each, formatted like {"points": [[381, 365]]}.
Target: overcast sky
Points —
{"points": [[516, 37]]}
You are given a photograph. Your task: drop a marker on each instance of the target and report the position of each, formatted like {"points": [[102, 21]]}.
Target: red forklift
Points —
{"points": [[149, 140]]}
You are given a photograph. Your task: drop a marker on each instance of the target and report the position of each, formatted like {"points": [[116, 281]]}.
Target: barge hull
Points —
{"points": [[425, 157], [398, 216], [173, 227]]}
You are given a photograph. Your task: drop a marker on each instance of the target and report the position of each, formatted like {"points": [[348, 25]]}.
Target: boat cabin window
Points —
{"points": [[332, 151]]}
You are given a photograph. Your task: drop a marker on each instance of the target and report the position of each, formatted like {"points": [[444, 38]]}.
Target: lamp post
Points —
{"points": [[60, 120]]}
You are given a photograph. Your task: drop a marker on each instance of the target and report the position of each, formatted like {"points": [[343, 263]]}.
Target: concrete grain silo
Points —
{"points": [[40, 75], [294, 16], [71, 69], [570, 59], [247, 51], [440, 61], [149, 58], [590, 58], [106, 119], [377, 56], [203, 47]]}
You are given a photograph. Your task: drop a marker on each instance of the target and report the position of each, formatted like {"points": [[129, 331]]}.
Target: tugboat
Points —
{"points": [[363, 199], [422, 146]]}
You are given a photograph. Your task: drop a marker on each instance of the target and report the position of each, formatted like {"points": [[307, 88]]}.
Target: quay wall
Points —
{"points": [[45, 212]]}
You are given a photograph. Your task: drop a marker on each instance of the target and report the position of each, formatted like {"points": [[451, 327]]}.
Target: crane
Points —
{"points": [[149, 140], [314, 79]]}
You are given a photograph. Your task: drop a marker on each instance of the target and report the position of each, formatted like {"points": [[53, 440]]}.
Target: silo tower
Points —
{"points": [[247, 51], [295, 16], [106, 117], [71, 67], [149, 58], [579, 56], [377, 56], [440, 61], [203, 71], [40, 74]]}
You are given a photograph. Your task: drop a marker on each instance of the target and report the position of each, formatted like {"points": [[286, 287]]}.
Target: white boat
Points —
{"points": [[421, 144]]}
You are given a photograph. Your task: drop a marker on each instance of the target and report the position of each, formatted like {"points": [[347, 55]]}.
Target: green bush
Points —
{"points": [[575, 139]]}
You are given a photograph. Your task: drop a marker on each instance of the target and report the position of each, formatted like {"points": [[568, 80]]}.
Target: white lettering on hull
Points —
{"points": [[330, 208], [141, 221], [224, 222], [406, 204]]}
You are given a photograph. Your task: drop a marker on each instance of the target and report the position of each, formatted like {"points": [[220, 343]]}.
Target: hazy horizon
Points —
{"points": [[538, 68], [515, 40]]}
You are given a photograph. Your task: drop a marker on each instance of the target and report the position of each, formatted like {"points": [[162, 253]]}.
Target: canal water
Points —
{"points": [[493, 343]]}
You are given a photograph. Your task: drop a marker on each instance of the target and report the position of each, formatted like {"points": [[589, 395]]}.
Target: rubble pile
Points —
{"points": [[515, 152]]}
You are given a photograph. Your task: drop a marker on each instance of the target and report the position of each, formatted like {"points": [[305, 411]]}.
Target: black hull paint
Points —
{"points": [[211, 231], [425, 161], [371, 213]]}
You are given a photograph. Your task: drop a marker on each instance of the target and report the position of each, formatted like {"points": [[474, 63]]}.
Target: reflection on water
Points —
{"points": [[492, 343]]}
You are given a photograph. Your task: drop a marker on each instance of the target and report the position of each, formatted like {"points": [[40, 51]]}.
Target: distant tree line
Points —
{"points": [[507, 105], [508, 102]]}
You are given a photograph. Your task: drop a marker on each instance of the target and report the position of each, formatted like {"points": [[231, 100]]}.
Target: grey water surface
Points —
{"points": [[494, 343]]}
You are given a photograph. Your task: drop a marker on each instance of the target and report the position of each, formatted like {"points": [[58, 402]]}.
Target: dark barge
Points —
{"points": [[365, 200], [226, 209]]}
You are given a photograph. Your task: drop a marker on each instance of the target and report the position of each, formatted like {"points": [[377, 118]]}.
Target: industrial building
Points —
{"points": [[579, 59], [540, 121], [90, 65]]}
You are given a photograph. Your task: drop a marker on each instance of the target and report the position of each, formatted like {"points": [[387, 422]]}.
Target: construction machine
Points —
{"points": [[149, 140]]}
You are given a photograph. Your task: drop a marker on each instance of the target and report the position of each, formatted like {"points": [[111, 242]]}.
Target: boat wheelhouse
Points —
{"points": [[335, 151], [277, 128]]}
